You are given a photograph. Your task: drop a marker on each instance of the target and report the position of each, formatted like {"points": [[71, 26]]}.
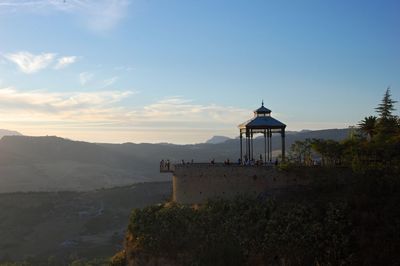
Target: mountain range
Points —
{"points": [[54, 164]]}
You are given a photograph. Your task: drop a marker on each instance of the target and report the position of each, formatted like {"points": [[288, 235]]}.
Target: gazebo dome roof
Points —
{"points": [[262, 110], [262, 120], [261, 123]]}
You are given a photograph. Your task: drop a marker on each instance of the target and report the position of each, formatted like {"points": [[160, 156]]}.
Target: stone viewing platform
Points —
{"points": [[195, 183], [173, 166]]}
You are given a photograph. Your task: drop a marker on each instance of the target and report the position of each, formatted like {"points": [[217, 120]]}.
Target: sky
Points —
{"points": [[181, 71]]}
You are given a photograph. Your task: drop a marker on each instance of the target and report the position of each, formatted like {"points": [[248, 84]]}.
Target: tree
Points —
{"points": [[331, 151], [368, 125], [387, 122], [386, 107], [301, 151]]}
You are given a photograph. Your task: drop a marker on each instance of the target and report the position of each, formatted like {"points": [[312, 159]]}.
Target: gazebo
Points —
{"points": [[261, 123]]}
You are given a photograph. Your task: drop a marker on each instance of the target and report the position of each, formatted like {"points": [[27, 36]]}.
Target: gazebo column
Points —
{"points": [[268, 158], [247, 144], [251, 141], [269, 145], [265, 146], [283, 143], [241, 147]]}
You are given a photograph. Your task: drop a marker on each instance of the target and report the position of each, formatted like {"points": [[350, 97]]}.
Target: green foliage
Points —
{"points": [[368, 125], [378, 153], [230, 232], [386, 107], [300, 152], [387, 125]]}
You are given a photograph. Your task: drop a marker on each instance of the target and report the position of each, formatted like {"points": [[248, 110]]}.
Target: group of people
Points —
{"points": [[251, 162], [165, 164], [191, 162]]}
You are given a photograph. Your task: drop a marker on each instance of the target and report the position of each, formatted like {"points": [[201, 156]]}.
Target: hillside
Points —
{"points": [[71, 225], [204, 152], [328, 223], [5, 132], [217, 139], [52, 163]]}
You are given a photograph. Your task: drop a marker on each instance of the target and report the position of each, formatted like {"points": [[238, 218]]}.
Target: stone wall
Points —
{"points": [[195, 183]]}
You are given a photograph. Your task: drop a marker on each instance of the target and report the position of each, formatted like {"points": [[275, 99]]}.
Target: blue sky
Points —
{"points": [[182, 71]]}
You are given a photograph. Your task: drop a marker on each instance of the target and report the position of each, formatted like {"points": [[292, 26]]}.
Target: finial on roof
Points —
{"points": [[262, 102]]}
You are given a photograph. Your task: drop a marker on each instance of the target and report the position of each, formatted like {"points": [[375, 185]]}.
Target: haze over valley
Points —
{"points": [[56, 164]]}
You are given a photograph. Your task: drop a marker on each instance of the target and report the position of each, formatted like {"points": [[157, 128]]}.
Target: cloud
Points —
{"points": [[92, 107], [109, 82], [97, 15], [65, 61], [60, 106], [81, 115], [105, 14], [124, 68], [85, 77], [30, 63], [178, 111]]}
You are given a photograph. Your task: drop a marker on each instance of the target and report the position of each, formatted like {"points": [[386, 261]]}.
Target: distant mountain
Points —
{"points": [[5, 132], [217, 139], [53, 164], [204, 152]]}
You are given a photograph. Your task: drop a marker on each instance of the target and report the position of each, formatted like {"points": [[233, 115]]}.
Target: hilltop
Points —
{"points": [[6, 132], [51, 163]]}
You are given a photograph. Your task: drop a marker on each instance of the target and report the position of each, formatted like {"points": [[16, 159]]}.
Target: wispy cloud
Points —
{"points": [[30, 63], [60, 106], [109, 82], [91, 108], [98, 15], [65, 61], [85, 77], [180, 111], [124, 68], [102, 116]]}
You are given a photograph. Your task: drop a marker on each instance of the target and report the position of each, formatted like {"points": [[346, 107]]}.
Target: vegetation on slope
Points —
{"points": [[330, 224], [58, 228], [373, 146], [356, 224]]}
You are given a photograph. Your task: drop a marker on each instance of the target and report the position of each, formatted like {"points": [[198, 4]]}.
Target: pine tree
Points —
{"points": [[387, 122], [386, 107]]}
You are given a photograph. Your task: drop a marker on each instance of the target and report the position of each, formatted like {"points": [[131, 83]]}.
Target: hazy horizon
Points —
{"points": [[92, 139], [183, 71]]}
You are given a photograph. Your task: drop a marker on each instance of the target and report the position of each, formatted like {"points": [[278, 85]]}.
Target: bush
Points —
{"points": [[224, 232], [118, 259]]}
